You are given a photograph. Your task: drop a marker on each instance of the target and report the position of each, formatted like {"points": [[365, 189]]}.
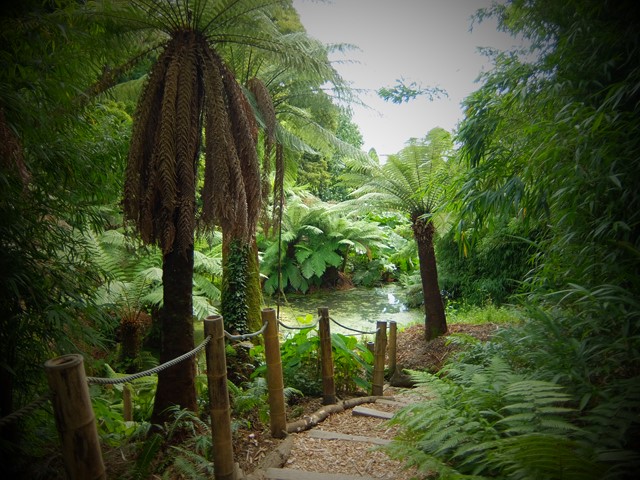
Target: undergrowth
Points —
{"points": [[486, 419]]}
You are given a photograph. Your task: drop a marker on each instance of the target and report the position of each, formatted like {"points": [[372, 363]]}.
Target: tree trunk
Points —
{"points": [[233, 294], [254, 291], [176, 385], [435, 323]]}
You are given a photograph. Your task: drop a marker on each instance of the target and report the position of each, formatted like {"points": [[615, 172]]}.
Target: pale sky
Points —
{"points": [[426, 41]]}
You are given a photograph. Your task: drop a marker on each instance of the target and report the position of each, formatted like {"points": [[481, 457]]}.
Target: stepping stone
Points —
{"points": [[392, 403], [326, 435], [371, 412], [291, 474]]}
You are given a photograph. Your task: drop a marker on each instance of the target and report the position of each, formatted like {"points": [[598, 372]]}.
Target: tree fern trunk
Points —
{"points": [[435, 323], [233, 302], [176, 385], [241, 302]]}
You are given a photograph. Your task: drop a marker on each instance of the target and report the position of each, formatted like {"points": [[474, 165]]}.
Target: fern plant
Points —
{"points": [[134, 275], [250, 402], [490, 422]]}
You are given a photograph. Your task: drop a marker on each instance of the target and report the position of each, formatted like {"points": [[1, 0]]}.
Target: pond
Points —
{"points": [[358, 308]]}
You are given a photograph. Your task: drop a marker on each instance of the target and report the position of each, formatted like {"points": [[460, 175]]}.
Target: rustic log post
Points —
{"points": [[379, 357], [127, 403], [74, 416], [224, 468], [326, 358], [275, 382], [371, 347], [393, 338]]}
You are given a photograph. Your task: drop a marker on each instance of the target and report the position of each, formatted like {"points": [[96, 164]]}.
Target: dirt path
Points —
{"points": [[345, 445], [305, 456]]}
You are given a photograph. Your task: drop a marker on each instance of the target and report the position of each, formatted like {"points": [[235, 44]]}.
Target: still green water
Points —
{"points": [[358, 308]]}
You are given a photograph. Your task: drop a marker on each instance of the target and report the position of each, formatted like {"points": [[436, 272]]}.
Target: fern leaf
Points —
{"points": [[150, 449]]}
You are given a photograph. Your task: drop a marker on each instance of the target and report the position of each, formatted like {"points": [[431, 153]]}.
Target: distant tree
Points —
{"points": [[403, 92], [413, 182]]}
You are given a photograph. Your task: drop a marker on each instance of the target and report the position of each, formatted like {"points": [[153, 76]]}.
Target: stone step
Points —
{"points": [[371, 412], [327, 435], [291, 474]]}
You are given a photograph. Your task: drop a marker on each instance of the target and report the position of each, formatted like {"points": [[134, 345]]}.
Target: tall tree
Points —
{"points": [[191, 88], [413, 182], [295, 113]]}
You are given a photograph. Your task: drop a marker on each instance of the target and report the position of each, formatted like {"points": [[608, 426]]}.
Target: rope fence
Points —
{"points": [[75, 418], [14, 416], [315, 324], [358, 332], [296, 327], [245, 336], [151, 371]]}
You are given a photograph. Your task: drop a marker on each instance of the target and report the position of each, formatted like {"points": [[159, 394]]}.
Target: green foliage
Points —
{"points": [[489, 422], [111, 398], [402, 92], [549, 140], [374, 272], [317, 242], [191, 458], [321, 174], [491, 271], [250, 405], [301, 362], [301, 368], [488, 313], [59, 176], [353, 364], [234, 303], [412, 182], [133, 274], [150, 448]]}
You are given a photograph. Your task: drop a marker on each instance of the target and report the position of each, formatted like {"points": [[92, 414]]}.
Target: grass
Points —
{"points": [[489, 313]]}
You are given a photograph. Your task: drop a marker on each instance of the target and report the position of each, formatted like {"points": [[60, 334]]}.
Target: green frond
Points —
{"points": [[203, 287], [207, 264], [536, 455], [487, 420]]}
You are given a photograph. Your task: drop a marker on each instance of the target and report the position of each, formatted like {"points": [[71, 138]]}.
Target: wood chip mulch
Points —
{"points": [[349, 457], [359, 458], [414, 353]]}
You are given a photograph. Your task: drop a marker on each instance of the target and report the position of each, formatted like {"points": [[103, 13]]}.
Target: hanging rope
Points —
{"points": [[290, 327], [353, 329], [12, 417], [245, 336], [159, 368]]}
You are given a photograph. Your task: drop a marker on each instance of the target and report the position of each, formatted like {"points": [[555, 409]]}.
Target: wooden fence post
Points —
{"points": [[326, 358], [127, 402], [379, 358], [224, 467], [75, 419], [275, 382], [371, 347], [393, 338]]}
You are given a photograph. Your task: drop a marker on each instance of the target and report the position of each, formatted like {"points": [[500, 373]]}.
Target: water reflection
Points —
{"points": [[358, 308]]}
